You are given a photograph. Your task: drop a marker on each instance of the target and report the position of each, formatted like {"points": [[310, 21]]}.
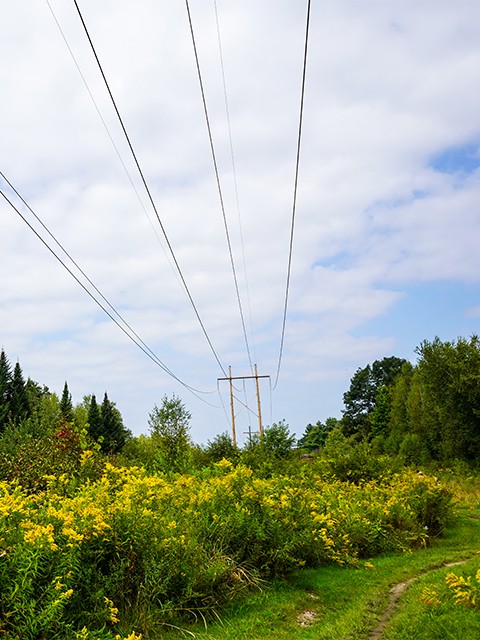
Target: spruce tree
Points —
{"points": [[95, 423], [5, 389], [114, 433], [35, 393], [19, 404], [66, 406]]}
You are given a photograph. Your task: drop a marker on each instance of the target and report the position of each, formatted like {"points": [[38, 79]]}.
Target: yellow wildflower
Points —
{"points": [[113, 611]]}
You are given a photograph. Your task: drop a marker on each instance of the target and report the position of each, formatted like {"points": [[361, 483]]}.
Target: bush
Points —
{"points": [[132, 550], [346, 459]]}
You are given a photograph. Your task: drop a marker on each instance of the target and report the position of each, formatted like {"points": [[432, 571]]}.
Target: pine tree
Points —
{"points": [[66, 406], [19, 403], [5, 389]]}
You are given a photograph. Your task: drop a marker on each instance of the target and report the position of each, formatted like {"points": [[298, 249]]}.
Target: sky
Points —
{"points": [[387, 218]]}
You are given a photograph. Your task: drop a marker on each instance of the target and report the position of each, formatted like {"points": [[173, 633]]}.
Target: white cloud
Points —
{"points": [[389, 87]]}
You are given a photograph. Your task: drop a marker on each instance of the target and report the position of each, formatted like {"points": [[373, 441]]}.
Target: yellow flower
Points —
{"points": [[36, 534], [86, 456], [113, 611], [72, 535]]}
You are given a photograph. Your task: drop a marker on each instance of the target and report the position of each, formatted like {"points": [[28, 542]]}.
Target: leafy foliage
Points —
{"points": [[170, 425], [360, 398], [221, 448], [425, 412], [271, 453], [113, 431], [129, 549], [316, 434], [458, 589], [95, 423], [450, 375]]}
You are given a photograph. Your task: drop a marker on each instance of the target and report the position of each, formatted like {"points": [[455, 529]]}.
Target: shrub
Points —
{"points": [[141, 548]]}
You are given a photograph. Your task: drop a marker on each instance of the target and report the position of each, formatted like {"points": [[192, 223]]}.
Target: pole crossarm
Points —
{"points": [[243, 378], [256, 377]]}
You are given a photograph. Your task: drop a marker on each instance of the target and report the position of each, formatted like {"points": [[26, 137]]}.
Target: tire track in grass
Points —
{"points": [[397, 590]]}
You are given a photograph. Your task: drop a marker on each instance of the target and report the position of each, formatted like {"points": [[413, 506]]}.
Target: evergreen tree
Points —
{"points": [[5, 389], [35, 393], [66, 406], [114, 433], [95, 423], [19, 403]]}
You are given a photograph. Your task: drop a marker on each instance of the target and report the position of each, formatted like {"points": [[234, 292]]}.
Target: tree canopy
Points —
{"points": [[360, 398], [426, 411], [170, 425]]}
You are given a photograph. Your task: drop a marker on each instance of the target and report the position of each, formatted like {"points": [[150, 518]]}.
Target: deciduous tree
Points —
{"points": [[450, 373], [316, 434], [170, 425], [360, 398]]}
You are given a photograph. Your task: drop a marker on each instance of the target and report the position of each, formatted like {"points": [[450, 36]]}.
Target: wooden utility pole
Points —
{"points": [[231, 378], [260, 425], [232, 407]]}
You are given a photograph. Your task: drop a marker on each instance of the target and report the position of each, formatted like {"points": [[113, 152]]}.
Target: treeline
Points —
{"points": [[43, 434], [425, 412], [410, 413]]}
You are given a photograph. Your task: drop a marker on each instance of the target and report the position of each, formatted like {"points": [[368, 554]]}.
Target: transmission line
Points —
{"points": [[234, 170], [147, 189], [133, 336], [219, 188], [294, 206], [105, 126]]}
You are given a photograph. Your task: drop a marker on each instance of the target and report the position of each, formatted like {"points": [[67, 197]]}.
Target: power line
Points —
{"points": [[234, 170], [297, 164], [219, 188], [133, 336], [105, 126], [147, 189]]}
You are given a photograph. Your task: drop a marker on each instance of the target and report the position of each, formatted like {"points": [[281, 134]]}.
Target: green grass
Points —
{"points": [[416, 621], [346, 604]]}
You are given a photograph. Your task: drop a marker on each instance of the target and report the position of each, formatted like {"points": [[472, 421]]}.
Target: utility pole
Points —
{"points": [[260, 425], [255, 377], [249, 433], [232, 408]]}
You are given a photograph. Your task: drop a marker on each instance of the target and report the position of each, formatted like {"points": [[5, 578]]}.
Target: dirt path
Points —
{"points": [[395, 593]]}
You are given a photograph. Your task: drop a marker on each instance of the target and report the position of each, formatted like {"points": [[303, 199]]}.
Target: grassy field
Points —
{"points": [[338, 603]]}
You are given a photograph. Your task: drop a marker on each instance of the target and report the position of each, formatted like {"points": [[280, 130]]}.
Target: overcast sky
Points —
{"points": [[387, 227]]}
